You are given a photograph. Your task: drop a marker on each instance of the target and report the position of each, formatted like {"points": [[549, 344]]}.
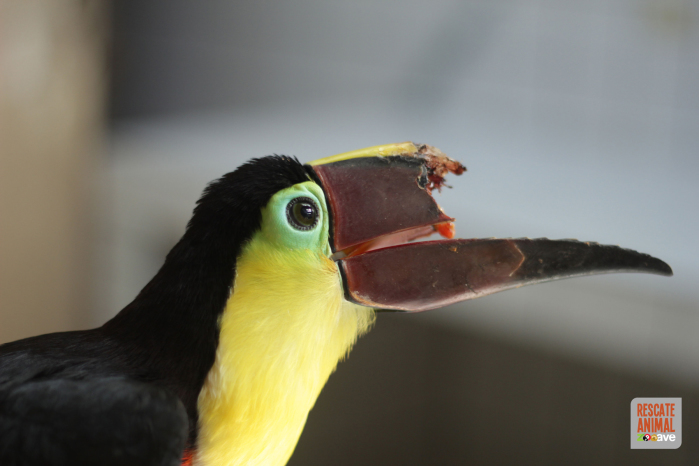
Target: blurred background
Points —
{"points": [[576, 119]]}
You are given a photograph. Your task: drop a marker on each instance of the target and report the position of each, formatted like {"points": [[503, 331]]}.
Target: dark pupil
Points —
{"points": [[305, 213]]}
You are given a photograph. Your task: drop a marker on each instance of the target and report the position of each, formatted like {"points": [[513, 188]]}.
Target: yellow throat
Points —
{"points": [[284, 329]]}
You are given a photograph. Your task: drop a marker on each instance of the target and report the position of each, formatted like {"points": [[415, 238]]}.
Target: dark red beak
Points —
{"points": [[379, 203]]}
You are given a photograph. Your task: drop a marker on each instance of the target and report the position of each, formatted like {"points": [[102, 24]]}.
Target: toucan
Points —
{"points": [[220, 357]]}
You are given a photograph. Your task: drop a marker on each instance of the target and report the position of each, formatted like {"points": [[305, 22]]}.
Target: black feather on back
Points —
{"points": [[107, 421], [169, 334]]}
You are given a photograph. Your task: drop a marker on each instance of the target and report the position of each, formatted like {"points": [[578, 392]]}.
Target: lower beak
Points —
{"points": [[380, 197], [422, 276]]}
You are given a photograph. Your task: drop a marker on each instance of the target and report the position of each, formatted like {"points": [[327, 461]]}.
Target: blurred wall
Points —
{"points": [[52, 87]]}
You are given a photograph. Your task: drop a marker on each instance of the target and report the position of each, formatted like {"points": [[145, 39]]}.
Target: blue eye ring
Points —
{"points": [[302, 213]]}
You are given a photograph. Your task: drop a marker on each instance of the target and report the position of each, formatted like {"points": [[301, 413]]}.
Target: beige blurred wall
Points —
{"points": [[52, 107]]}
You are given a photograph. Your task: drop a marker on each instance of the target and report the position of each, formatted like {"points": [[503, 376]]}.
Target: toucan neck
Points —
{"points": [[282, 333], [169, 334], [187, 294]]}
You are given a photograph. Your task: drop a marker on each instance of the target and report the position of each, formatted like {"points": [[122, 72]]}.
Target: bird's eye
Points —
{"points": [[302, 213]]}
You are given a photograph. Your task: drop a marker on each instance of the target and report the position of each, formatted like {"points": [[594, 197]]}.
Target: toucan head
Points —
{"points": [[303, 253], [364, 209]]}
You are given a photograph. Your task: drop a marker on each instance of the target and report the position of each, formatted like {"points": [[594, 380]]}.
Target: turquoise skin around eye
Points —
{"points": [[277, 230]]}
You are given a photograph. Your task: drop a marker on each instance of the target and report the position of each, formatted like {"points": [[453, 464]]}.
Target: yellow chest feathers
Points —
{"points": [[284, 329]]}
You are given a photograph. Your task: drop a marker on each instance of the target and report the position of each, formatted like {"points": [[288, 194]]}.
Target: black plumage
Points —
{"points": [[95, 396]]}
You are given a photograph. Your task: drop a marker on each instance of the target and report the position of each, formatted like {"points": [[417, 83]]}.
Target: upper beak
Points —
{"points": [[380, 198]]}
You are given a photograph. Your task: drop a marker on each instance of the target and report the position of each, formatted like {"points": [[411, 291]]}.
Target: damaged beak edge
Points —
{"points": [[380, 199]]}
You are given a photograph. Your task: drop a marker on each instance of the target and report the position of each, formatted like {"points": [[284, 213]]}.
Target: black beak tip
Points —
{"points": [[659, 267]]}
